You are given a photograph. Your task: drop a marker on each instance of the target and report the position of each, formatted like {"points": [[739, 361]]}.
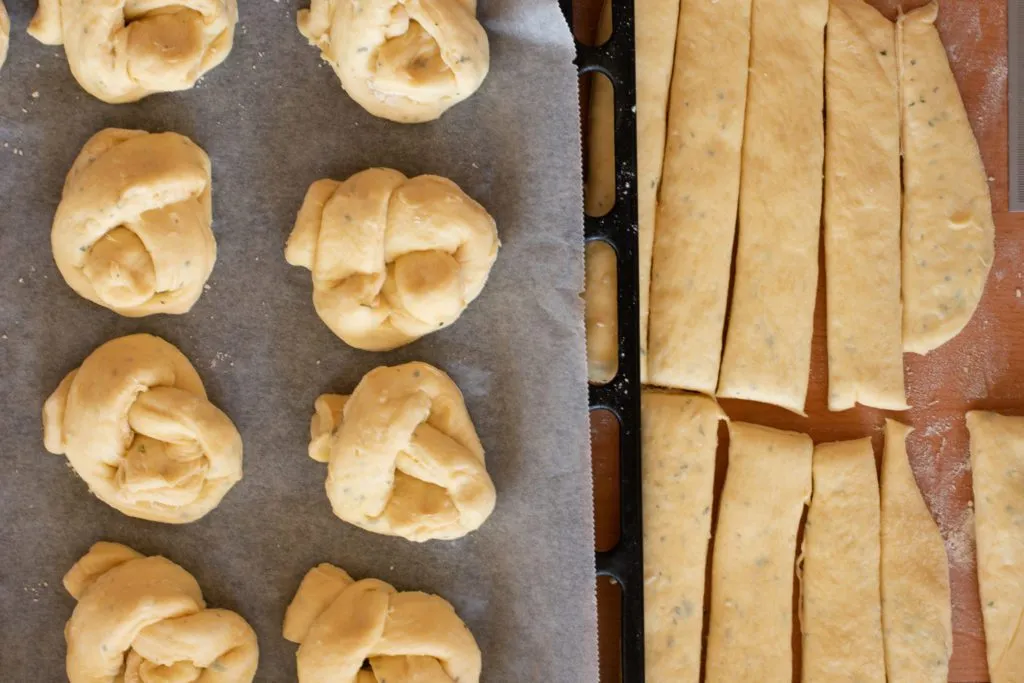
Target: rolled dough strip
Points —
{"points": [[916, 612], [656, 22], [680, 438], [841, 614], [768, 345], [5, 33], [862, 210], [948, 232], [997, 463], [697, 204], [766, 487]]}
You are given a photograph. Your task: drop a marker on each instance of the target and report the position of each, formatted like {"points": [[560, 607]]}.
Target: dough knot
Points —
{"points": [[367, 632], [132, 232], [123, 50], [392, 258], [403, 60], [135, 423], [143, 620], [404, 457]]}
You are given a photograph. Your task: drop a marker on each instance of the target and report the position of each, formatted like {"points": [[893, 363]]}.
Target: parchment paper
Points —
{"points": [[273, 119]]}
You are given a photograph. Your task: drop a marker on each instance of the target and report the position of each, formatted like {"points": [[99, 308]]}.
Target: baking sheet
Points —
{"points": [[273, 119]]}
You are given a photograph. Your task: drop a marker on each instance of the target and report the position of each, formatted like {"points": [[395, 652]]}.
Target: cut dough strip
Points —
{"points": [[680, 438], [768, 345], [766, 487], [696, 220], [862, 210], [997, 463], [841, 602], [916, 612], [948, 232]]}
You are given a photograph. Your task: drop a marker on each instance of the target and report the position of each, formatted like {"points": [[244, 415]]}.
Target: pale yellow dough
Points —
{"points": [[404, 60], [656, 22], [407, 637], [123, 50], [916, 609], [841, 604], [862, 210], [601, 311], [997, 464], [697, 205], [403, 455], [948, 231], [134, 422], [132, 230], [393, 258], [680, 438], [766, 487], [143, 619], [768, 345], [5, 33]]}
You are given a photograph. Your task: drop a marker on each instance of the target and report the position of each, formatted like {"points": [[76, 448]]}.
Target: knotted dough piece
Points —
{"points": [[135, 424], [5, 33], [132, 231], [393, 258], [408, 637], [143, 620], [404, 458], [123, 50], [403, 60]]}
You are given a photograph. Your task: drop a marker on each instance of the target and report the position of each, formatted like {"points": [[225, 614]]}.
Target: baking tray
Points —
{"points": [[623, 562]]}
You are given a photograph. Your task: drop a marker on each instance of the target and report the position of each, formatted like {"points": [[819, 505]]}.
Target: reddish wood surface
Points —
{"points": [[975, 370]]}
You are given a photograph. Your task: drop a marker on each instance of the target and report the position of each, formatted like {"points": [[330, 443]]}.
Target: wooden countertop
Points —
{"points": [[978, 369]]}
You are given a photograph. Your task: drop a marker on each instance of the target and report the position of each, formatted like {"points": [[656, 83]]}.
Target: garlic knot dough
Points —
{"points": [[134, 422], [132, 231], [143, 620], [405, 637], [403, 456], [403, 60], [393, 258], [123, 50]]}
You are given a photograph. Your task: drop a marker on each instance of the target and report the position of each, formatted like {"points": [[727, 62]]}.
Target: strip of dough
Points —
{"points": [[766, 487], [5, 33], [680, 439], [656, 22], [699, 193], [841, 614], [768, 346], [916, 611], [948, 232], [997, 463], [862, 210]]}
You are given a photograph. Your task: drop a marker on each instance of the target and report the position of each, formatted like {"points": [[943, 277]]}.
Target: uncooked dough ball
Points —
{"points": [[123, 50], [134, 422], [393, 258], [403, 456], [341, 625], [143, 619], [5, 33], [403, 60], [132, 231]]}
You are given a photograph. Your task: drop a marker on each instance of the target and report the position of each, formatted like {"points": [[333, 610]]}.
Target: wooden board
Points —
{"points": [[978, 369]]}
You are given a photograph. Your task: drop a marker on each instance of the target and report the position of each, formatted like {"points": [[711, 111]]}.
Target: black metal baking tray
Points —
{"points": [[621, 396]]}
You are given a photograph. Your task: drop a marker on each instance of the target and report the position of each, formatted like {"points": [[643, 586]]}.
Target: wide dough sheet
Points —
{"points": [[768, 346], [273, 119], [862, 210], [697, 203], [680, 437]]}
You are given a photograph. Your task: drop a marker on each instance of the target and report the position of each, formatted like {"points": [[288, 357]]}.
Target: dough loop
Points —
{"points": [[403, 60], [143, 620], [393, 258], [404, 458], [132, 231], [123, 50], [340, 623], [135, 424]]}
